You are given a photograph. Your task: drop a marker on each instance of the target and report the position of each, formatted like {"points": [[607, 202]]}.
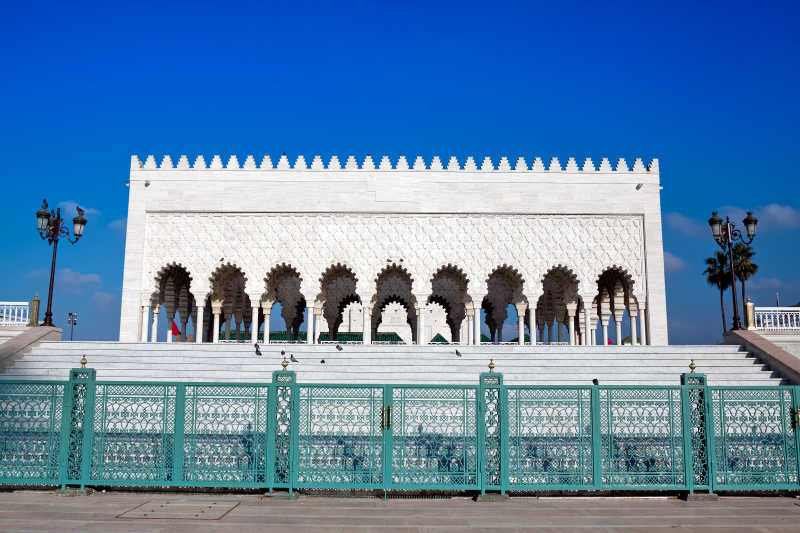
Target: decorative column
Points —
{"points": [[572, 307], [143, 324], [154, 324], [618, 314], [366, 326], [421, 336], [469, 318], [170, 315], [588, 339], [632, 312], [550, 330], [216, 308], [266, 306], [521, 307], [476, 326], [318, 324], [310, 325], [604, 323], [532, 323], [228, 319], [645, 337], [198, 325], [254, 323]]}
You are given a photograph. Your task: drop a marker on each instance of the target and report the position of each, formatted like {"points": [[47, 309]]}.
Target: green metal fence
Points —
{"points": [[486, 437]]}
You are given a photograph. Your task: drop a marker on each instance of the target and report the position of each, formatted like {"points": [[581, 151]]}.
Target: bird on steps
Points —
{"points": [[338, 347], [458, 353], [595, 381], [293, 359], [283, 352], [258, 350], [322, 361]]}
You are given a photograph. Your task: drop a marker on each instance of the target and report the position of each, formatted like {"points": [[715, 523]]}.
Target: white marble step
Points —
{"points": [[394, 364]]}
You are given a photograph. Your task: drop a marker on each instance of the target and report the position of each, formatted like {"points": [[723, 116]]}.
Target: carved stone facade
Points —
{"points": [[569, 249]]}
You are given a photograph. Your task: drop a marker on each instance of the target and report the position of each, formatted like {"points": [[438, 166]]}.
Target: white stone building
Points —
{"points": [[573, 249]]}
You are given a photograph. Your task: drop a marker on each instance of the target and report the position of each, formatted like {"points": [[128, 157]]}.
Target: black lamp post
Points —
{"points": [[51, 227], [725, 233]]}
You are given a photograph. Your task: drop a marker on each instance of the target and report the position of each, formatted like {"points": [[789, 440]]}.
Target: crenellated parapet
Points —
{"points": [[400, 164]]}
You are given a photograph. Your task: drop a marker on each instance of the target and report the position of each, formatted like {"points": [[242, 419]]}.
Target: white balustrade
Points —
{"points": [[14, 313], [777, 318]]}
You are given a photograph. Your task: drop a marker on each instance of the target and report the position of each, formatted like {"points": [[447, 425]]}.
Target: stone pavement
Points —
{"points": [[26, 511]]}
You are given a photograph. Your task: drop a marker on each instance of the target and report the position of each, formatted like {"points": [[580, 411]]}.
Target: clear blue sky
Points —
{"points": [[709, 88]]}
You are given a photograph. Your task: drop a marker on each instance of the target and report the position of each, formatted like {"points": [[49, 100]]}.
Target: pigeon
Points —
{"points": [[458, 353], [595, 381], [292, 358], [338, 347], [322, 361], [258, 350], [283, 352]]}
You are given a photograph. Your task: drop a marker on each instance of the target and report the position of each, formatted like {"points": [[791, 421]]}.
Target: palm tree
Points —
{"points": [[718, 274], [743, 266]]}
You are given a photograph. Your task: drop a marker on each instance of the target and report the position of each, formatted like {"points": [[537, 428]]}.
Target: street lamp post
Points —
{"points": [[51, 227], [72, 320], [725, 233]]}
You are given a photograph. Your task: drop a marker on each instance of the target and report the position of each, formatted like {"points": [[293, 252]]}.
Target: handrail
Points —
{"points": [[14, 313], [777, 318]]}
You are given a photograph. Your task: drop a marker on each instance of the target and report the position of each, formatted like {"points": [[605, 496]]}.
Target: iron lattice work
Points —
{"points": [[755, 438], [550, 437], [434, 437], [225, 435], [641, 437], [698, 436], [486, 437], [30, 423], [340, 436], [133, 434], [283, 421], [492, 445]]}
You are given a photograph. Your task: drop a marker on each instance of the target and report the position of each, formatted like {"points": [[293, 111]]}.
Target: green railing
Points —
{"points": [[486, 437]]}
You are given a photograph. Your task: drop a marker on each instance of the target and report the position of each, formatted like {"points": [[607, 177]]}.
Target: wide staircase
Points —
{"points": [[394, 364]]}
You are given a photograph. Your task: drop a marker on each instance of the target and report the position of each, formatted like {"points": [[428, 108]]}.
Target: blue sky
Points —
{"points": [[710, 89]]}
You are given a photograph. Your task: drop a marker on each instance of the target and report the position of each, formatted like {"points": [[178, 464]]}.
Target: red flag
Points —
{"points": [[175, 330]]}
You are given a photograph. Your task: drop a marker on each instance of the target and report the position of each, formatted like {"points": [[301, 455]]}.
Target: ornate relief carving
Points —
{"points": [[477, 244]]}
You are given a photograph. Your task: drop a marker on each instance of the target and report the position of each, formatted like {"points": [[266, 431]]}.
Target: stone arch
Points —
{"points": [[229, 300], [559, 307], [394, 283], [173, 292], [338, 288], [504, 286], [449, 288], [615, 298], [283, 285]]}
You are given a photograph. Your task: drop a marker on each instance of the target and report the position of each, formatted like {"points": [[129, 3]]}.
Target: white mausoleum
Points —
{"points": [[350, 246]]}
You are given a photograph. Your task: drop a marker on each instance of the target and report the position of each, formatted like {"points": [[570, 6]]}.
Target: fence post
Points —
{"points": [[597, 445], [697, 438], [77, 431], [493, 432], [180, 433], [796, 394], [282, 430]]}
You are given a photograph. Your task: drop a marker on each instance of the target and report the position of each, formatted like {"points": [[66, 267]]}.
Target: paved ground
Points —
{"points": [[200, 513]]}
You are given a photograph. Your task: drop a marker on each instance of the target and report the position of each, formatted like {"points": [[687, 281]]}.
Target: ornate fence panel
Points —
{"points": [[755, 440], [225, 435], [340, 436], [641, 434], [30, 424], [133, 432], [550, 438], [434, 437], [488, 437]]}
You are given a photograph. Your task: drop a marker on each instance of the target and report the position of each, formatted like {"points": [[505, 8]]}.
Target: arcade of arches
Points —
{"points": [[552, 310]]}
